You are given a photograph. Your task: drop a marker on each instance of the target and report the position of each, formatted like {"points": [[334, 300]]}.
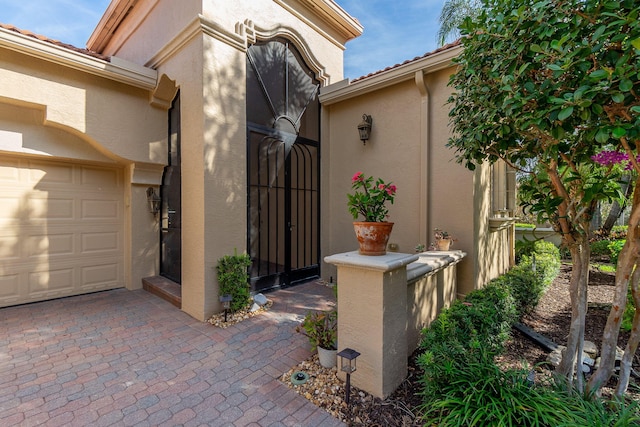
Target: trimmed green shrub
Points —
{"points": [[233, 278], [615, 246], [473, 330], [600, 248], [531, 278]]}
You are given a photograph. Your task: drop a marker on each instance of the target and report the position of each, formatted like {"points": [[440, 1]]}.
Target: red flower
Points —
{"points": [[357, 177]]}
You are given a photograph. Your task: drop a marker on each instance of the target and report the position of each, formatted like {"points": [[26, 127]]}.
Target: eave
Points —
{"points": [[393, 75], [116, 70], [331, 13]]}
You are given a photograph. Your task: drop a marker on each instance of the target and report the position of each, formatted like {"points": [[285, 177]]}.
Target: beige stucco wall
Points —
{"points": [[53, 111], [202, 46], [408, 146]]}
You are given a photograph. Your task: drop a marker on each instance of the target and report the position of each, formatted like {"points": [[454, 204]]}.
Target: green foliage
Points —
{"points": [[234, 279], [629, 313], [479, 393], [600, 248], [620, 229], [546, 85], [321, 327], [529, 280], [369, 198], [529, 226], [465, 337], [615, 246], [462, 386]]}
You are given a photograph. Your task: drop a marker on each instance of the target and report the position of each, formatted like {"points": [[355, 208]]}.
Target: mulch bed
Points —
{"points": [[551, 318]]}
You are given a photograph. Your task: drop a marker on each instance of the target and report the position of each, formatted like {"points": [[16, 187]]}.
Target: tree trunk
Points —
{"points": [[571, 364], [617, 208], [634, 338], [626, 262]]}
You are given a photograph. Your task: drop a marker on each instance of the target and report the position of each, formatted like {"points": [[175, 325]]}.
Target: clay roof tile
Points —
{"points": [[54, 42]]}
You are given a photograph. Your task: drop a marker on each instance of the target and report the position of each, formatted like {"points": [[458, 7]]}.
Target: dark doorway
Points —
{"points": [[171, 217], [283, 116]]}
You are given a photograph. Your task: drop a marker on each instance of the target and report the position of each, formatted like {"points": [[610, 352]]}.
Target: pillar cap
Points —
{"points": [[390, 261]]}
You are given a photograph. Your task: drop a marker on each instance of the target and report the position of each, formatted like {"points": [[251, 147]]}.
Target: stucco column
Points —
{"points": [[372, 317]]}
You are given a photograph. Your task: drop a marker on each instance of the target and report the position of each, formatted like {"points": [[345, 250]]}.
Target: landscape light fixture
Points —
{"points": [[154, 201], [348, 358], [226, 303], [364, 128]]}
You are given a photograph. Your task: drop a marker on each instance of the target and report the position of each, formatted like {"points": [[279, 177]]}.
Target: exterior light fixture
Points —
{"points": [[364, 128], [348, 358], [154, 201], [226, 303]]}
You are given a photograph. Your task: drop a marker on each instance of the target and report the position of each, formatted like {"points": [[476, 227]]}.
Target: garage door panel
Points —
{"points": [[49, 245], [100, 242], [10, 171], [99, 275], [51, 282], [50, 208], [46, 175], [100, 209], [9, 247], [10, 287], [61, 229]]}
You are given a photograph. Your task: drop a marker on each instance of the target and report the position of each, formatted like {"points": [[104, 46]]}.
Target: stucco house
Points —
{"points": [[233, 120]]}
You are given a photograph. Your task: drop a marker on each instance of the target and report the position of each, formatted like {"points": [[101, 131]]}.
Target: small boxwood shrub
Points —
{"points": [[233, 278]]}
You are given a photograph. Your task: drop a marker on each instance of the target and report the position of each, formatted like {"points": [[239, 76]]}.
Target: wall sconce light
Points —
{"points": [[226, 303], [348, 358], [364, 128], [154, 201]]}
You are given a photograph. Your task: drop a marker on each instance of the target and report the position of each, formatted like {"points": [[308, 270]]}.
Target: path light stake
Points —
{"points": [[348, 364], [226, 303]]}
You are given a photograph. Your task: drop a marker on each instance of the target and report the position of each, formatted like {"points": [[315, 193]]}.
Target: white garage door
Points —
{"points": [[61, 229]]}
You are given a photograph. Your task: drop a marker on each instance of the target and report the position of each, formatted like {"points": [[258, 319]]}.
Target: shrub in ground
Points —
{"points": [[615, 246], [600, 248], [473, 330], [531, 278], [234, 279], [479, 393]]}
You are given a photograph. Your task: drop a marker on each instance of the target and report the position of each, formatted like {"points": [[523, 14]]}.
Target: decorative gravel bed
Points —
{"points": [[237, 317]]}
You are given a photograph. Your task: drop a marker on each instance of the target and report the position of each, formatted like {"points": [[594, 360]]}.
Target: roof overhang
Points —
{"points": [[117, 69], [331, 13], [344, 89]]}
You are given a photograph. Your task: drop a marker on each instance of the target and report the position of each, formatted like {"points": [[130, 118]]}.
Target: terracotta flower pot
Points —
{"points": [[444, 244], [373, 237]]}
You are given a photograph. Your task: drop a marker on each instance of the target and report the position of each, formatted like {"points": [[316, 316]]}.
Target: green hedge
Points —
{"points": [[461, 384]]}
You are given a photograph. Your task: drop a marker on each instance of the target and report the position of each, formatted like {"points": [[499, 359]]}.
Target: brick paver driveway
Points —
{"points": [[129, 358]]}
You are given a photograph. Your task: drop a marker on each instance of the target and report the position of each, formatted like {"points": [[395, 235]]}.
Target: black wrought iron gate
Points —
{"points": [[283, 208]]}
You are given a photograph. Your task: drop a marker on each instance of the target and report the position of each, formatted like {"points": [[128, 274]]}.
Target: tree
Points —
{"points": [[552, 83], [452, 15]]}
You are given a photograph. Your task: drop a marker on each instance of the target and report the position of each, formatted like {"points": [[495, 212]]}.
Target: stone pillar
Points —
{"points": [[372, 317]]}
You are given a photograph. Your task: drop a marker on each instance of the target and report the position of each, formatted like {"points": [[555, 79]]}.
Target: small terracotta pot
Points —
{"points": [[373, 237], [444, 244]]}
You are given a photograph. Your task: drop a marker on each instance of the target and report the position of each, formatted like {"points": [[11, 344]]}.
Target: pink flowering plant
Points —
{"points": [[370, 197]]}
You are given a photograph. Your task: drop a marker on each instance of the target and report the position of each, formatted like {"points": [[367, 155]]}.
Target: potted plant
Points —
{"points": [[443, 239], [321, 327], [369, 199]]}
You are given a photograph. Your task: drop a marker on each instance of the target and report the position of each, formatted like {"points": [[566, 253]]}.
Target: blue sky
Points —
{"points": [[394, 31]]}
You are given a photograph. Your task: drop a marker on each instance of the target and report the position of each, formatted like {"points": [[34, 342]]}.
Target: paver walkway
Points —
{"points": [[129, 358]]}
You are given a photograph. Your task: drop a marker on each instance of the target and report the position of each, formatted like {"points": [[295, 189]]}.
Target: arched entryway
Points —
{"points": [[283, 152]]}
